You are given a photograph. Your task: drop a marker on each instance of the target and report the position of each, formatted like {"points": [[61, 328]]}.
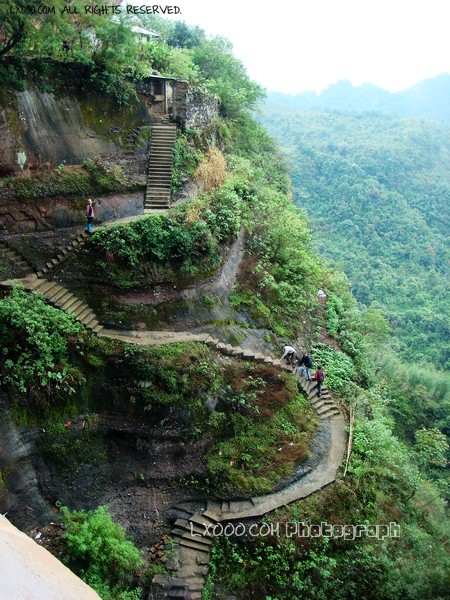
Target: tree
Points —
{"points": [[431, 447], [225, 76], [184, 36], [15, 24]]}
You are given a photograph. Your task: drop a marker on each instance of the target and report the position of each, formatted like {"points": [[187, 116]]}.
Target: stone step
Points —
{"points": [[332, 412], [155, 185], [237, 351], [46, 287], [80, 310], [163, 150], [88, 317], [204, 540], [151, 199], [87, 311], [75, 306], [63, 299], [189, 526], [58, 293], [203, 520], [157, 193], [159, 177], [69, 302], [190, 543], [318, 405], [35, 284], [90, 323], [325, 408], [211, 515]]}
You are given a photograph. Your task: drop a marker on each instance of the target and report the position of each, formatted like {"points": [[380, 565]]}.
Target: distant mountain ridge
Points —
{"points": [[429, 99]]}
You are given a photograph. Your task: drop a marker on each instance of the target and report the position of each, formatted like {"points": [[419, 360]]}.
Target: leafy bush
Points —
{"points": [[185, 160], [338, 368], [104, 558], [35, 347]]}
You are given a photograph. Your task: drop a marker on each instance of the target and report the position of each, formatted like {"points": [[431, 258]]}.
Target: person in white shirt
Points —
{"points": [[289, 354]]}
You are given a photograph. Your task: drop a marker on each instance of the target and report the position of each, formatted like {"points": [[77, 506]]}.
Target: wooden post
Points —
{"points": [[350, 437]]}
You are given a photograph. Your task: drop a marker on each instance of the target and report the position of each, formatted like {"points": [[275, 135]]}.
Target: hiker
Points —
{"points": [[289, 354], [319, 377], [89, 215], [305, 363]]}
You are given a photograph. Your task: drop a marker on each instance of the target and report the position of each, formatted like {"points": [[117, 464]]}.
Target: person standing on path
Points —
{"points": [[90, 215], [319, 377], [305, 363]]}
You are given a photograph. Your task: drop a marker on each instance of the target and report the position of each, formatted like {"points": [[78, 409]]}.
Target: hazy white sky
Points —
{"points": [[297, 45]]}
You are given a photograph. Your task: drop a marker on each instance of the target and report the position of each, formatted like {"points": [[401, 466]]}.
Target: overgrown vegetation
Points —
{"points": [[256, 424], [96, 548], [36, 341]]}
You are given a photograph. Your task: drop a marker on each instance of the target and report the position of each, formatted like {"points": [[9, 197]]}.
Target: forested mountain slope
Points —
{"points": [[377, 189]]}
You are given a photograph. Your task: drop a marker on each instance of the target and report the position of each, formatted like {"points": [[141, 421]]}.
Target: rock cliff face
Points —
{"points": [[41, 130]]}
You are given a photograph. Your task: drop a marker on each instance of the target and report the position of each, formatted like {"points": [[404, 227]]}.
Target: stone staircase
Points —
{"points": [[17, 260], [63, 252], [160, 161], [59, 296]]}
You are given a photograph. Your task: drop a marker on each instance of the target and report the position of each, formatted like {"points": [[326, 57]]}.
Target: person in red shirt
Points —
{"points": [[319, 377]]}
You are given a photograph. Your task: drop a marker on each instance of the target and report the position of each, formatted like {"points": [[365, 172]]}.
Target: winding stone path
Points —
{"points": [[194, 534]]}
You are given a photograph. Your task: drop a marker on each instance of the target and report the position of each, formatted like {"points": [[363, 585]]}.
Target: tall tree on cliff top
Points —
{"points": [[15, 26]]}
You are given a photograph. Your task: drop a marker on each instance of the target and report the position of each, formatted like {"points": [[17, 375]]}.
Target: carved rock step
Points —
{"points": [[194, 544]]}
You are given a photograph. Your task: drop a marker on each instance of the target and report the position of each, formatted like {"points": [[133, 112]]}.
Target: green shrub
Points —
{"points": [[104, 558], [35, 347]]}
